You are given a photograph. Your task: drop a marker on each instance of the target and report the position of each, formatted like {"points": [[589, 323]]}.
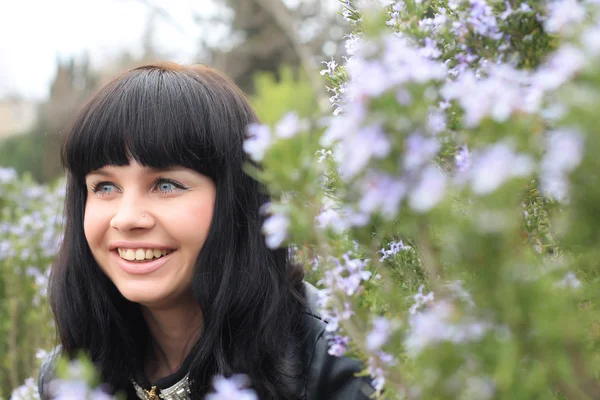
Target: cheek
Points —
{"points": [[194, 221], [94, 224]]}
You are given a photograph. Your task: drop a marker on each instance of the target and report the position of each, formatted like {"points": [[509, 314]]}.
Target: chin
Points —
{"points": [[144, 294]]}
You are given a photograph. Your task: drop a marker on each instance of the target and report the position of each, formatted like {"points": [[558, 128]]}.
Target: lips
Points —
{"points": [[140, 268]]}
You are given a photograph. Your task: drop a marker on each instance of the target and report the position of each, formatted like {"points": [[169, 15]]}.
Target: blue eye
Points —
{"points": [[106, 187], [168, 185], [103, 188]]}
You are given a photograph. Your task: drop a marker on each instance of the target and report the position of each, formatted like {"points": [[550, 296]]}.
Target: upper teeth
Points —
{"points": [[142, 254]]}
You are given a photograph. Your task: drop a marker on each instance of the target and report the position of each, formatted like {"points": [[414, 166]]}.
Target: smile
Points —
{"points": [[142, 266], [142, 255]]}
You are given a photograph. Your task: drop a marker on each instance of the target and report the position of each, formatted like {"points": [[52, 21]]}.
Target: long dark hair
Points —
{"points": [[251, 296]]}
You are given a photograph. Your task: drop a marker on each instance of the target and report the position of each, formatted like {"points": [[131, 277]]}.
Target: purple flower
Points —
{"points": [[418, 151], [436, 122], [7, 175], [380, 332], [381, 192], [331, 67], [463, 159], [421, 300], [591, 39], [438, 324], [346, 276], [233, 388], [338, 345], [564, 151], [258, 141], [560, 67], [497, 164], [394, 248], [482, 20], [27, 391], [288, 126], [429, 191], [569, 281], [356, 150], [275, 229], [430, 50], [563, 14], [368, 78]]}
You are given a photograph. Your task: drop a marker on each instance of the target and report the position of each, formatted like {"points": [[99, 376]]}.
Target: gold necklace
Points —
{"points": [[151, 393]]}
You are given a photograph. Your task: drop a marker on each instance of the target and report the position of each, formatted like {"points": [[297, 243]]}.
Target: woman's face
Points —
{"points": [[146, 227]]}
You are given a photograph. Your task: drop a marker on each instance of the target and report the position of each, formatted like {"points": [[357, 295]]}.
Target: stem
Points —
{"points": [[429, 257]]}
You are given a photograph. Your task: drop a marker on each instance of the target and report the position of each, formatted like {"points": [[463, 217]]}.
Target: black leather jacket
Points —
{"points": [[325, 377]]}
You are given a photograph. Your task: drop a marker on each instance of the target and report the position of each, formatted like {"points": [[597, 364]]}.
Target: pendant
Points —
{"points": [[151, 394]]}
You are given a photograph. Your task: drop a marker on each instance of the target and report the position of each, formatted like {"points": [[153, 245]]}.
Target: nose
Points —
{"points": [[130, 214]]}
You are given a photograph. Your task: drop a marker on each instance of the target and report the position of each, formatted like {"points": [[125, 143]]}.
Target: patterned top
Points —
{"points": [[179, 391]]}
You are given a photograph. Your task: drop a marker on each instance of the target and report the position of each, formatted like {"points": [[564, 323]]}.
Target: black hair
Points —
{"points": [[165, 115]]}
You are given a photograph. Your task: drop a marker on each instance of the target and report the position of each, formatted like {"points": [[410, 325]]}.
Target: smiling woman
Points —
{"points": [[164, 278]]}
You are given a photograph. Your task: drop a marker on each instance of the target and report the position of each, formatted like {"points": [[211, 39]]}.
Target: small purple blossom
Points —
{"points": [[439, 324], [563, 14], [381, 193], [569, 281], [564, 152], [331, 67], [429, 191], [382, 329], [394, 248], [436, 122], [482, 20], [561, 66], [27, 391], [368, 78], [234, 388], [591, 39], [7, 175], [463, 159], [346, 274], [288, 126], [275, 229], [421, 300], [495, 165], [356, 150], [338, 345], [418, 151], [258, 141], [75, 386]]}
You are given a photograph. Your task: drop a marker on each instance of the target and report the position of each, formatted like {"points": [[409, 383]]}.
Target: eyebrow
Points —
{"points": [[146, 171]]}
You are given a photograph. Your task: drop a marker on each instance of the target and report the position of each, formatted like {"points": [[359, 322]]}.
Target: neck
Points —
{"points": [[174, 330]]}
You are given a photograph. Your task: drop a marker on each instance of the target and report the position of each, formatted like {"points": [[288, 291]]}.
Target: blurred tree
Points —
{"points": [[38, 151], [273, 98], [274, 34], [246, 36]]}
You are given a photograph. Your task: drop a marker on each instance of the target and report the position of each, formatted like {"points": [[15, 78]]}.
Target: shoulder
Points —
{"points": [[47, 372], [326, 376]]}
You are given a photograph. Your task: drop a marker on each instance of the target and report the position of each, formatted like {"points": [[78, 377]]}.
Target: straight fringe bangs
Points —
{"points": [[160, 116]]}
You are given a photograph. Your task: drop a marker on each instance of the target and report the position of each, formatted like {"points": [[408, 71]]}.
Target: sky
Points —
{"points": [[34, 33]]}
